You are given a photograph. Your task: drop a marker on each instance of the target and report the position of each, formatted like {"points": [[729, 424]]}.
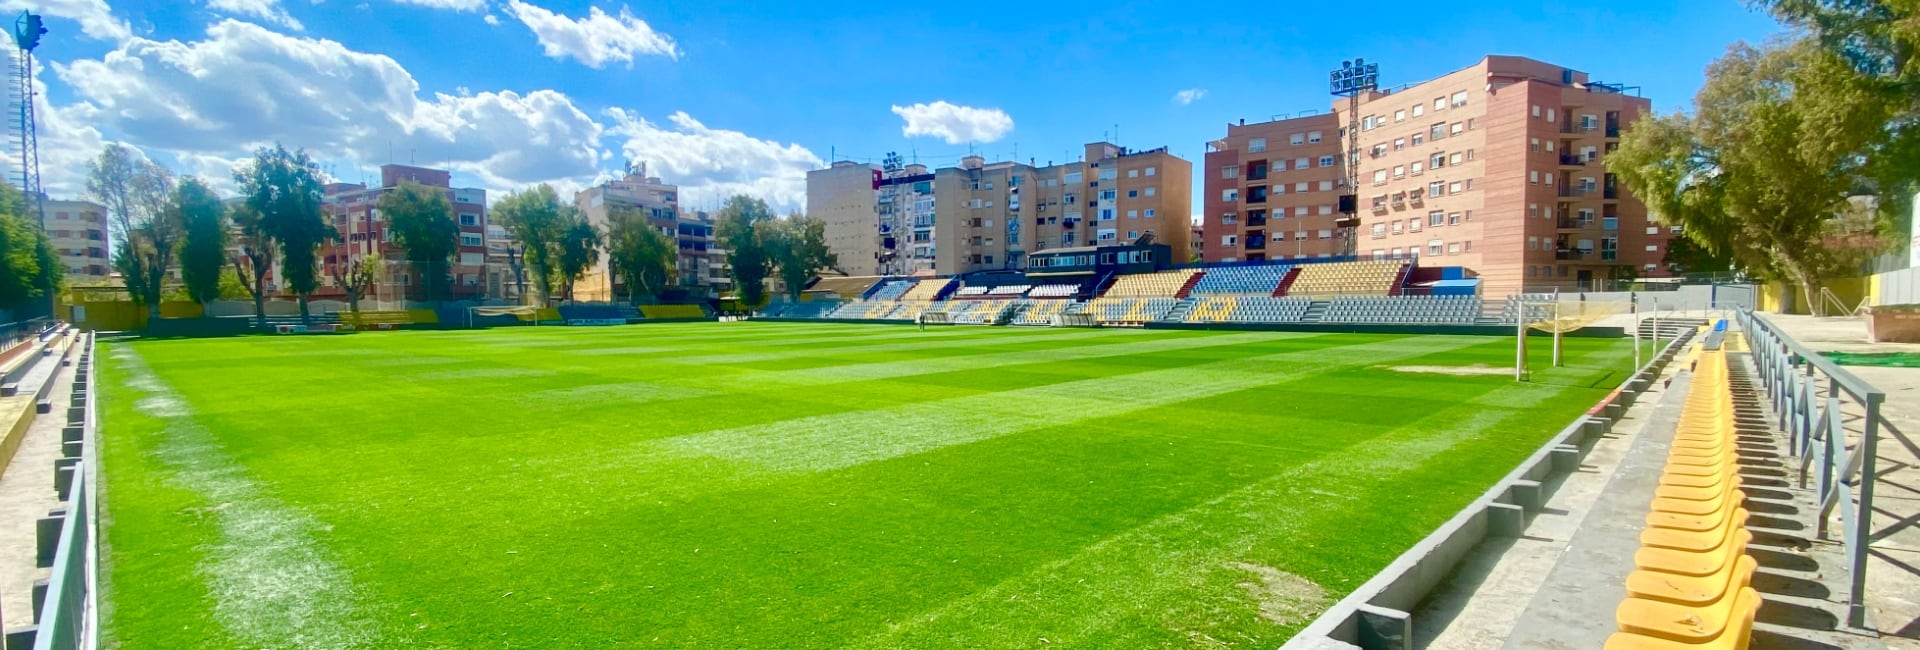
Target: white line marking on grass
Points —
{"points": [[402, 362], [271, 582], [1187, 557], [828, 442]]}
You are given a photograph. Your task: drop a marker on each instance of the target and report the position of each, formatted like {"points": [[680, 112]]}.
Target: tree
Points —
{"points": [[136, 193], [579, 247], [354, 276], [739, 225], [1763, 172], [534, 219], [30, 271], [285, 189], [1876, 42], [797, 248], [256, 248], [1689, 257], [203, 243], [641, 256], [421, 220]]}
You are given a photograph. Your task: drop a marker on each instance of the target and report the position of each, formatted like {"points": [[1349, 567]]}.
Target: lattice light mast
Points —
{"points": [[1353, 79], [27, 30]]}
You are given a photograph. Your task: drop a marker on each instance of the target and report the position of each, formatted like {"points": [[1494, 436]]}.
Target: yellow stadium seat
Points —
{"points": [[1745, 605], [1689, 624]]}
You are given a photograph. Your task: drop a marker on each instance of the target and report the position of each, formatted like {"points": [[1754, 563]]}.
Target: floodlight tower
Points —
{"points": [[26, 36], [1353, 79]]}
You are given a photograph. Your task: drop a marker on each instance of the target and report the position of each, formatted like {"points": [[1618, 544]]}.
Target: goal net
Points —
{"points": [[1559, 315]]}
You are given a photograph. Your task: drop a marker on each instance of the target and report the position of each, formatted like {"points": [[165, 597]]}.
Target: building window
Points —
{"points": [[1399, 143], [1326, 161], [1653, 248], [1651, 230], [1379, 230], [1133, 173], [1453, 248], [1413, 225], [471, 240], [1299, 211], [1437, 131], [1150, 171], [1300, 163], [1133, 194], [1399, 172], [1396, 226], [1326, 234], [1400, 115], [1436, 188], [1533, 177], [1133, 214], [1297, 139], [1230, 171], [1533, 145], [1453, 188], [1536, 110], [1437, 160], [1453, 218], [1107, 174], [1149, 213], [1230, 195], [1436, 218], [1313, 136], [1460, 99], [1418, 167], [1457, 128], [1419, 139], [1434, 246], [1299, 187], [1073, 177], [1549, 115], [1452, 159], [1149, 191], [1533, 243], [1379, 177], [1419, 110], [1326, 209]]}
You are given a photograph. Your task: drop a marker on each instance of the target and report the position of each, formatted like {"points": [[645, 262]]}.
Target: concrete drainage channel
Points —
{"points": [[1378, 614]]}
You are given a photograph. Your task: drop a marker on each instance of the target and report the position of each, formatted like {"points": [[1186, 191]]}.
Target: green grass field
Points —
{"points": [[781, 485]]}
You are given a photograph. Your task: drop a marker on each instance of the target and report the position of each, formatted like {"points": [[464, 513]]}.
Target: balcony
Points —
{"points": [[1572, 191], [1573, 223], [1572, 160], [1609, 256], [1571, 254], [1610, 193]]}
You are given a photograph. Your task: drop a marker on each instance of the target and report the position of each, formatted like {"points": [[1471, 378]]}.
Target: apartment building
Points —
{"points": [[657, 200], [981, 216], [1500, 167], [879, 218], [1273, 190], [353, 209], [702, 265], [77, 230]]}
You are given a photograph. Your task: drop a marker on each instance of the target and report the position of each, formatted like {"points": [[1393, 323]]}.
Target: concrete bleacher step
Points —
{"points": [[1315, 311]]}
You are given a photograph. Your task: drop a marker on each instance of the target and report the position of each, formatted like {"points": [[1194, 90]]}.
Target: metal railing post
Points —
{"points": [[1863, 521]]}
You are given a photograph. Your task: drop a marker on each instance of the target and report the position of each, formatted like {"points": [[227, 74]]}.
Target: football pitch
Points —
{"points": [[789, 485]]}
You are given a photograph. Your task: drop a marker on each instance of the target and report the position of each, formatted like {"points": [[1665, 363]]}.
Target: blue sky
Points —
{"points": [[726, 97]]}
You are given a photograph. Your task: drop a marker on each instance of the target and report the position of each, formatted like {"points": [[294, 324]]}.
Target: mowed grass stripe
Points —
{"points": [[269, 578], [828, 442], [928, 366], [985, 340], [1203, 568]]}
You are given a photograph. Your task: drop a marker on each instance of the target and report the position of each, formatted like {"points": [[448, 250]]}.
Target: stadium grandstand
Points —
{"points": [[1133, 285]]}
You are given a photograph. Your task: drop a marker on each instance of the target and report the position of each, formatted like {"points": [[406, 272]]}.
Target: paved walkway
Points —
{"points": [[26, 493], [1893, 571]]}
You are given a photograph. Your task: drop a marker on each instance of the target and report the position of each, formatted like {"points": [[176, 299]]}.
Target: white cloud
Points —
{"points": [[268, 10], [954, 123], [710, 164], [1189, 96], [492, 20], [95, 17], [596, 40], [454, 5], [205, 104]]}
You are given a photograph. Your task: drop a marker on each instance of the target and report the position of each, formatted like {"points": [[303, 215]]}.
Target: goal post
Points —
{"points": [[521, 312], [1558, 315]]}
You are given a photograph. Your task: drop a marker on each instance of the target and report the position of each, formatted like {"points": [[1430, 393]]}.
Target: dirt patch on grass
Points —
{"points": [[1284, 598], [1462, 371]]}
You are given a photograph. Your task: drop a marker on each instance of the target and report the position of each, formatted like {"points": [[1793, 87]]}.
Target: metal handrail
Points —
{"points": [[67, 617], [1806, 391]]}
